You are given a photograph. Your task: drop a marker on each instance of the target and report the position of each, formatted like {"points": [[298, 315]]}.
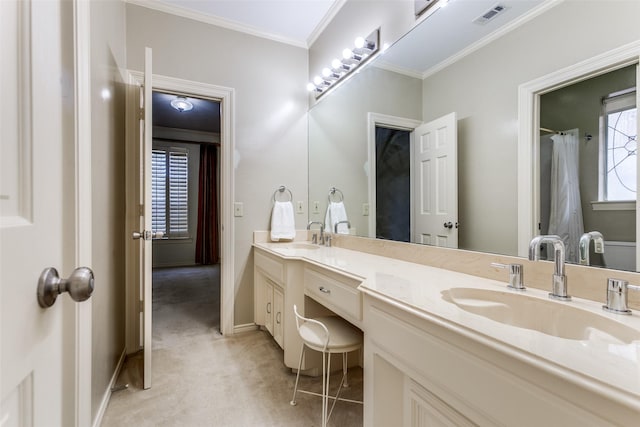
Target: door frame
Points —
{"points": [[227, 146], [391, 122], [80, 321], [529, 137]]}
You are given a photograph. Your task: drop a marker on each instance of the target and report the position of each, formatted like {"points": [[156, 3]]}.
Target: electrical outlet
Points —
{"points": [[365, 209], [300, 207], [316, 207], [238, 209]]}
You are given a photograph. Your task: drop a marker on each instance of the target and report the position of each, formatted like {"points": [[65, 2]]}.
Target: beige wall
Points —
{"points": [[271, 101], [483, 89], [108, 204]]}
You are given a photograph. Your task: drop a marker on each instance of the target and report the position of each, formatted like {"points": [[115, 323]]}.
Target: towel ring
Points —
{"points": [[281, 190], [332, 193]]}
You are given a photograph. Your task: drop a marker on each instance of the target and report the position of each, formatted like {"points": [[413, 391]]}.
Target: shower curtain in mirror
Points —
{"points": [[565, 218]]}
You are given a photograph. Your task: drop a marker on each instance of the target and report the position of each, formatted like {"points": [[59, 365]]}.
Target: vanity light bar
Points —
{"points": [[352, 58]]}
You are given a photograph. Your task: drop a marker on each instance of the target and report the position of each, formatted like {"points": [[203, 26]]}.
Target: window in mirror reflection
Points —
{"points": [[620, 121]]}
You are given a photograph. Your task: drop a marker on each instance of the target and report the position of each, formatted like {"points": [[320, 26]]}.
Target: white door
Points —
{"points": [[435, 178], [40, 206], [145, 235]]}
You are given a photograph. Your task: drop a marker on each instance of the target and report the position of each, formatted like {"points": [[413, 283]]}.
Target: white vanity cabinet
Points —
{"points": [[422, 371], [337, 292], [278, 285]]}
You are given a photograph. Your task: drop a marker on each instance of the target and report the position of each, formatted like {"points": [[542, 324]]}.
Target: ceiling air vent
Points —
{"points": [[490, 14]]}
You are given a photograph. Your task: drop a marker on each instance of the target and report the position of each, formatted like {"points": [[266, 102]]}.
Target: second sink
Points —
{"points": [[546, 316]]}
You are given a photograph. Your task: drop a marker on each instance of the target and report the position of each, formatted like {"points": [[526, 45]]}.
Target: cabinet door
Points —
{"points": [[268, 305], [424, 409], [278, 319]]}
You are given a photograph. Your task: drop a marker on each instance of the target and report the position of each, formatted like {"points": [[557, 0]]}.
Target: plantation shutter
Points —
{"points": [[159, 191], [178, 193], [170, 192]]}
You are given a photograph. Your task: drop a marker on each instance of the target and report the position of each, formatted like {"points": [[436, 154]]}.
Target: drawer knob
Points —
{"points": [[324, 290]]}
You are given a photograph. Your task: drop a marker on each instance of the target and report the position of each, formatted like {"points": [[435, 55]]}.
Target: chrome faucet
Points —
{"points": [[516, 275], [559, 283], [341, 222], [583, 246], [617, 291], [314, 238]]}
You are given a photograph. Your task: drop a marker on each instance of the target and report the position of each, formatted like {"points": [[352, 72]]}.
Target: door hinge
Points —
{"points": [[141, 210], [141, 113], [141, 306]]}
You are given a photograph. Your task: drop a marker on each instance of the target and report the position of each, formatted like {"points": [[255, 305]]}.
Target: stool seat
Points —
{"points": [[328, 335], [343, 337]]}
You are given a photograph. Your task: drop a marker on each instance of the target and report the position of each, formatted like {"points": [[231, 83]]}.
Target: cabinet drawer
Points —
{"points": [[271, 267], [340, 297]]}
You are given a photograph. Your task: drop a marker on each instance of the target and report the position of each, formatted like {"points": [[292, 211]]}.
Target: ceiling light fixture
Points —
{"points": [[181, 104], [363, 51]]}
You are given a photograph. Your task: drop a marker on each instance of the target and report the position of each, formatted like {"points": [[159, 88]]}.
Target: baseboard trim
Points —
{"points": [[107, 394], [248, 327]]}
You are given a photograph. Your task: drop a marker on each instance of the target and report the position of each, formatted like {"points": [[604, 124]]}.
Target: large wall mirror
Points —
{"points": [[451, 64]]}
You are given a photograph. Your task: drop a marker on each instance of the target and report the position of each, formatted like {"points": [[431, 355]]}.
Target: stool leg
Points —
{"points": [[295, 388], [325, 408], [345, 362]]}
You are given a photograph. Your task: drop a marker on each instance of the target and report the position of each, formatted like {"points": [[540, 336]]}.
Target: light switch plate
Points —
{"points": [[316, 207], [365, 209], [238, 209], [300, 207]]}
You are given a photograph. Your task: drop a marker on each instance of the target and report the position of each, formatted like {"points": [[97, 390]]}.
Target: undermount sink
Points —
{"points": [[549, 317]]}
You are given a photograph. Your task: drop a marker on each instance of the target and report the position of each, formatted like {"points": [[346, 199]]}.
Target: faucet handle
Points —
{"points": [[516, 275], [617, 296]]}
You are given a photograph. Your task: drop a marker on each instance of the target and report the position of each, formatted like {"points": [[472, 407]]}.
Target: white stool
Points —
{"points": [[330, 334]]}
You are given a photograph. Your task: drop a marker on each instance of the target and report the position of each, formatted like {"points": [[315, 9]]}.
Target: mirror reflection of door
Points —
{"points": [[393, 184], [601, 108]]}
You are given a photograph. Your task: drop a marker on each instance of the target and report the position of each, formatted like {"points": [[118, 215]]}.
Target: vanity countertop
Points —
{"points": [[605, 366]]}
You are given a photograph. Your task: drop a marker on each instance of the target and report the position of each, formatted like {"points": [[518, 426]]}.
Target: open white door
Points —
{"points": [[43, 213], [145, 236], [435, 178]]}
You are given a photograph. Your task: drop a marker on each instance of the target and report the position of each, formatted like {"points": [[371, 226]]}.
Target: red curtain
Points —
{"points": [[207, 247]]}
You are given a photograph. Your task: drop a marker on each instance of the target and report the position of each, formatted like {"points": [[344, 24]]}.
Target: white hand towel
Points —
{"points": [[282, 222], [336, 212]]}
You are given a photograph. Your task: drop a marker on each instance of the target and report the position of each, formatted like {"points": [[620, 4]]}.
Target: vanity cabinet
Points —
{"points": [[337, 292], [278, 285], [273, 303], [422, 371]]}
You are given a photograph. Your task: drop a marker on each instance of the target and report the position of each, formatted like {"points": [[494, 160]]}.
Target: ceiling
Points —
{"points": [[295, 22], [204, 117]]}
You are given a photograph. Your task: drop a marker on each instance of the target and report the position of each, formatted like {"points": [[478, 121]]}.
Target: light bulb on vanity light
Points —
{"points": [[336, 64], [326, 72], [317, 80], [359, 43], [311, 87]]}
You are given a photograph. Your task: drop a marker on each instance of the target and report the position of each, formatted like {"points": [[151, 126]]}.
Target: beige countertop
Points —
{"points": [[602, 364]]}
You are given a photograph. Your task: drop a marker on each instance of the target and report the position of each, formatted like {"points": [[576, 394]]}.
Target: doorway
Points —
{"points": [[185, 209], [529, 101], [135, 325], [393, 184]]}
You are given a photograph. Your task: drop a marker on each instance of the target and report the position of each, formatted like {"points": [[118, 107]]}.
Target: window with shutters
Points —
{"points": [[170, 191]]}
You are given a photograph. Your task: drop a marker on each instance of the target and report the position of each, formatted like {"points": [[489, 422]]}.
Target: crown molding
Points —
{"points": [[397, 69], [521, 20], [217, 21], [325, 21]]}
